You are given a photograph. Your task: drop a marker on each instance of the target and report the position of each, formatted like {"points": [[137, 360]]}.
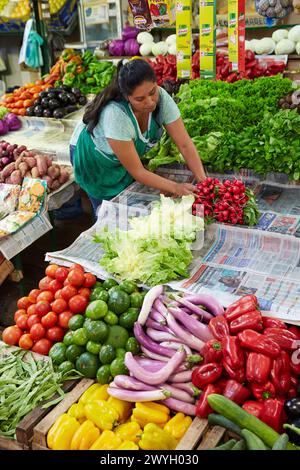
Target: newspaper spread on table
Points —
{"points": [[264, 259]]}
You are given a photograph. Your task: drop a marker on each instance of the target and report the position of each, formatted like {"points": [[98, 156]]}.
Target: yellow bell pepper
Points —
{"points": [[94, 392], [178, 425], [149, 412], [85, 436], [129, 432], [128, 445], [155, 438], [122, 407], [76, 411], [107, 441], [101, 414], [61, 434]]}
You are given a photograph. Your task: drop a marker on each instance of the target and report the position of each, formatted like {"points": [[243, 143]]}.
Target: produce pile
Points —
{"points": [[291, 101], [283, 41], [8, 121], [16, 163]]}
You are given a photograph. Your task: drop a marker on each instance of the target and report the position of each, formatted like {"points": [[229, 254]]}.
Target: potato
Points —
{"points": [[16, 177], [17, 162], [55, 185], [8, 180], [25, 153], [7, 171], [53, 171], [41, 164], [49, 181], [23, 167], [49, 160], [64, 176], [35, 172], [31, 162], [28, 174]]}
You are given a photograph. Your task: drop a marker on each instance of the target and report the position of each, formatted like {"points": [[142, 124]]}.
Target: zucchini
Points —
{"points": [[235, 413], [240, 445], [281, 442], [220, 420], [227, 446], [253, 442]]}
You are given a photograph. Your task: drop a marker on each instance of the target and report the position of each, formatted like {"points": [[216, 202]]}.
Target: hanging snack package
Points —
{"points": [[141, 14], [162, 12], [274, 8]]}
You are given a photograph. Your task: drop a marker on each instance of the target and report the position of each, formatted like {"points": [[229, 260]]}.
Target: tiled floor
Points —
{"points": [[33, 260]]}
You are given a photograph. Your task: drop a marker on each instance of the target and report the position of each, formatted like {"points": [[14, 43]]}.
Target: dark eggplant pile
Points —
{"points": [[57, 102]]}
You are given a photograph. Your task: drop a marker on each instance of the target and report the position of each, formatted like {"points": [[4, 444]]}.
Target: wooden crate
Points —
{"points": [[11, 444], [201, 435], [40, 431]]}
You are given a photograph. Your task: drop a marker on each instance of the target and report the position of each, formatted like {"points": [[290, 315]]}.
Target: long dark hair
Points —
{"points": [[127, 78]]}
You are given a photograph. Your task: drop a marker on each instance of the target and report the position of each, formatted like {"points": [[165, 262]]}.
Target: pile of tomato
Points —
{"points": [[43, 315], [24, 97]]}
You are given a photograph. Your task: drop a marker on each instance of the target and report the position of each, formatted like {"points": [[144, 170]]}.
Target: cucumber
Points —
{"points": [[235, 413], [220, 420], [253, 442], [240, 445], [281, 442], [227, 446]]}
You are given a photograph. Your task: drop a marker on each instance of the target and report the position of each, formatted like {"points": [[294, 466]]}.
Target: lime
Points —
{"points": [[128, 319], [108, 283], [128, 286], [107, 354], [96, 310], [97, 331], [133, 346], [73, 351], [117, 336], [136, 300], [58, 353], [93, 347], [111, 318], [117, 367], [118, 301], [103, 295], [76, 322], [120, 352], [96, 293], [103, 375], [65, 366], [87, 364], [80, 337], [68, 338]]}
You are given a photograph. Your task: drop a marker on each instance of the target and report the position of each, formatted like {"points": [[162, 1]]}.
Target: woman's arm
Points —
{"points": [[127, 154], [181, 138]]}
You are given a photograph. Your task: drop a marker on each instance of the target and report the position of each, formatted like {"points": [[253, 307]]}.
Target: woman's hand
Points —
{"points": [[184, 189]]}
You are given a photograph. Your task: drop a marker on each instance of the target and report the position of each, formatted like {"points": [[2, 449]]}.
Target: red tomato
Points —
{"points": [[55, 285], [77, 266], [24, 303], [42, 346], [63, 319], [85, 291], [67, 292], [11, 335], [45, 295], [33, 294], [51, 270], [56, 333], [26, 342], [76, 278], [31, 310], [18, 313], [59, 305], [22, 321], [90, 280], [44, 283], [78, 304], [57, 294], [61, 274], [42, 308], [49, 320], [37, 331], [32, 320]]}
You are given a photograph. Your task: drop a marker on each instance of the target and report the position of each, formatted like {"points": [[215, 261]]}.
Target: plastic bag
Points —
{"points": [[33, 56], [274, 8]]}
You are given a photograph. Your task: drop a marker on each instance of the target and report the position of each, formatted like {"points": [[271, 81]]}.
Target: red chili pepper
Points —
{"points": [[202, 407], [258, 367], [273, 323], [256, 342], [240, 310], [272, 413], [249, 56], [262, 392], [232, 352], [225, 70], [219, 327], [251, 64], [254, 408], [285, 339], [296, 330], [241, 301], [251, 320], [206, 374], [236, 374], [232, 78], [212, 351], [236, 392], [281, 373]]}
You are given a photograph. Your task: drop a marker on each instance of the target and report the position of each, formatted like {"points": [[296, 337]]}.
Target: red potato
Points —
{"points": [[64, 176], [31, 162], [8, 180], [49, 181], [55, 185], [28, 174], [48, 160], [53, 171], [16, 177], [7, 171], [17, 162], [41, 165], [35, 172], [23, 168]]}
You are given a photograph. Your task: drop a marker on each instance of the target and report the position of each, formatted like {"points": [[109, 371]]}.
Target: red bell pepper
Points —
{"points": [[206, 374], [236, 374], [296, 330], [241, 301], [221, 384], [254, 408], [251, 320], [262, 392], [219, 327], [240, 307], [273, 323], [285, 339], [212, 351], [202, 407], [281, 373], [272, 413], [256, 342], [258, 367], [236, 392], [293, 390], [232, 352], [295, 368]]}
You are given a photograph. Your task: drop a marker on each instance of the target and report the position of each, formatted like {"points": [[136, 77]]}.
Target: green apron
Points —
{"points": [[101, 175]]}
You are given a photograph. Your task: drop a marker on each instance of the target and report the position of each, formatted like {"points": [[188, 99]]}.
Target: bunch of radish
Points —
{"points": [[229, 202]]}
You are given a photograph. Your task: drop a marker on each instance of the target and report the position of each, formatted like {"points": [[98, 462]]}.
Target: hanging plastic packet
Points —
{"points": [[141, 14], [162, 12], [274, 8]]}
